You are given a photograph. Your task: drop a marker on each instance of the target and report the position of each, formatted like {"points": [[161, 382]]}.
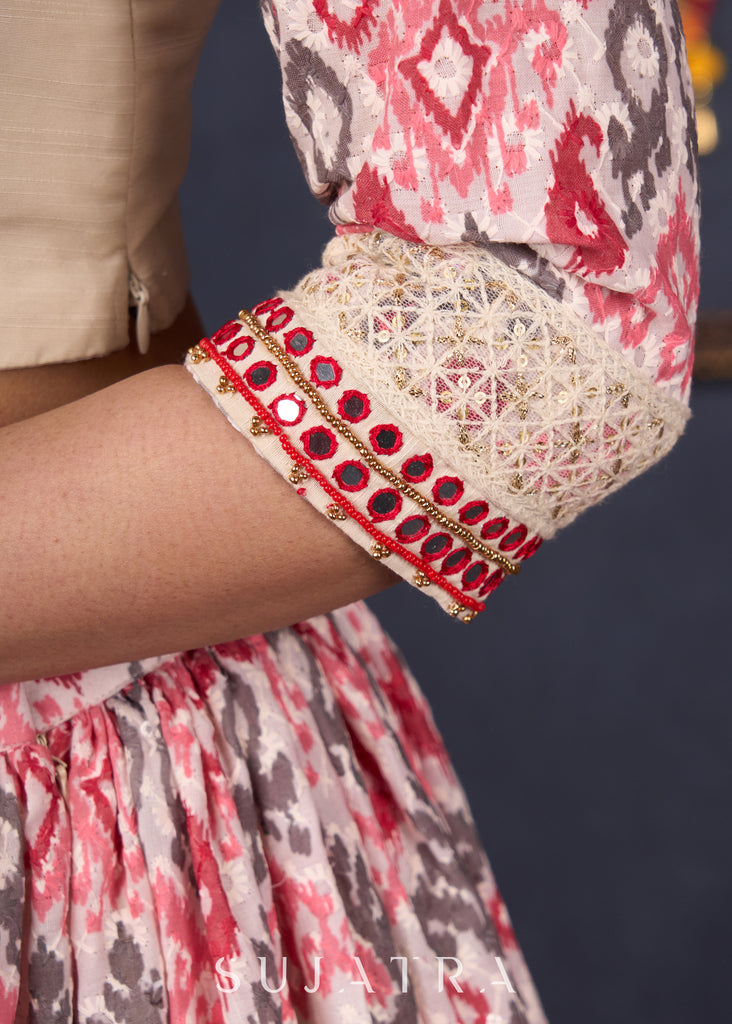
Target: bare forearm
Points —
{"points": [[137, 521]]}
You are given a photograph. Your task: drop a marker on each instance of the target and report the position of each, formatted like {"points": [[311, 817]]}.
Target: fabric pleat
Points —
{"points": [[264, 831]]}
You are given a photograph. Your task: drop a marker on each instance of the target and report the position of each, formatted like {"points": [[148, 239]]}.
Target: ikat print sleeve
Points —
{"points": [[501, 332]]}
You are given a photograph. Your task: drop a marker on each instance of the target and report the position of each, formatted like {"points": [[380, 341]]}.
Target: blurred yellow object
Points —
{"points": [[708, 67], [707, 130]]}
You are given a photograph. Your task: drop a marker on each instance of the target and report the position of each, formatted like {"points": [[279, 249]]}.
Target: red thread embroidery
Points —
{"points": [[240, 348], [417, 468], [325, 372], [229, 330], [315, 474], [386, 438], [448, 490], [354, 406], [351, 475]]}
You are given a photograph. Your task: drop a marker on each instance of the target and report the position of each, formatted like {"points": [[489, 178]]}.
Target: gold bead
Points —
{"points": [[225, 387], [198, 355], [335, 512], [298, 474], [258, 427]]}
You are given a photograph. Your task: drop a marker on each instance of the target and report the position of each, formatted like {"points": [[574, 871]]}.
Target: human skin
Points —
{"points": [[137, 521]]}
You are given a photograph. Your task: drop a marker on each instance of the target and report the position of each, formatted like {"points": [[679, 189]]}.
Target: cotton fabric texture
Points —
{"points": [[500, 334]]}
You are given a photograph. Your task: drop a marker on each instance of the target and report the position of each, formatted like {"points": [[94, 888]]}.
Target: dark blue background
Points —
{"points": [[587, 710]]}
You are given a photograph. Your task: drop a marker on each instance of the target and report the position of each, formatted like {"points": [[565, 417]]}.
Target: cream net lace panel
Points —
{"points": [[438, 406]]}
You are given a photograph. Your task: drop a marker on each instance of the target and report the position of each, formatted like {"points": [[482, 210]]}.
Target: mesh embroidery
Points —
{"points": [[514, 391]]}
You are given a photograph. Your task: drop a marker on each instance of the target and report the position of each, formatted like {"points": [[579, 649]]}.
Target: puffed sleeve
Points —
{"points": [[501, 332]]}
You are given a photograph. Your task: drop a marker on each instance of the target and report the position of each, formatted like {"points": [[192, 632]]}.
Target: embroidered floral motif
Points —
{"points": [[524, 396]]}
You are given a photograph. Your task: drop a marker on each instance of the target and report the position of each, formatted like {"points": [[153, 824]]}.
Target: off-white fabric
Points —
{"points": [[508, 386], [94, 139], [496, 390]]}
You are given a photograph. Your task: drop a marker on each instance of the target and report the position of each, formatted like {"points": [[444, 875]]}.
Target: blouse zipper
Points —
{"points": [[140, 297]]}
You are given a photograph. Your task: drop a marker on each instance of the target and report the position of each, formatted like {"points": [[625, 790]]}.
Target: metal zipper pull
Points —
{"points": [[140, 297]]}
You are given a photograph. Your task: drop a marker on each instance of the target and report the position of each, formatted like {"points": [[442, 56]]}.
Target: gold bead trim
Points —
{"points": [[294, 371], [379, 550], [336, 512], [198, 355], [258, 427], [298, 474], [225, 387], [459, 611]]}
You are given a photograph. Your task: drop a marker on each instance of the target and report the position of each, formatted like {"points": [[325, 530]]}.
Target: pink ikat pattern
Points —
{"points": [[559, 134]]}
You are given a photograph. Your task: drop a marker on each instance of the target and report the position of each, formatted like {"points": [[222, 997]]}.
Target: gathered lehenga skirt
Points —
{"points": [[266, 830]]}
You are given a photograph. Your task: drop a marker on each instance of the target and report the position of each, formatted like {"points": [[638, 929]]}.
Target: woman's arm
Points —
{"points": [[137, 521]]}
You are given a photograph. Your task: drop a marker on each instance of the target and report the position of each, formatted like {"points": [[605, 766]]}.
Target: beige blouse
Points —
{"points": [[94, 139]]}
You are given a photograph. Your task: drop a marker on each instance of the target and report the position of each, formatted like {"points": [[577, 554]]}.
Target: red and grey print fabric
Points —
{"points": [[559, 134], [266, 830]]}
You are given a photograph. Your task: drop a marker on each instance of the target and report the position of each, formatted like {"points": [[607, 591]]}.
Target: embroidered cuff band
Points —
{"points": [[454, 417]]}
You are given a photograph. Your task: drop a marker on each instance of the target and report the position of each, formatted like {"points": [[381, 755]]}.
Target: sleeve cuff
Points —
{"points": [[354, 461], [437, 406]]}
